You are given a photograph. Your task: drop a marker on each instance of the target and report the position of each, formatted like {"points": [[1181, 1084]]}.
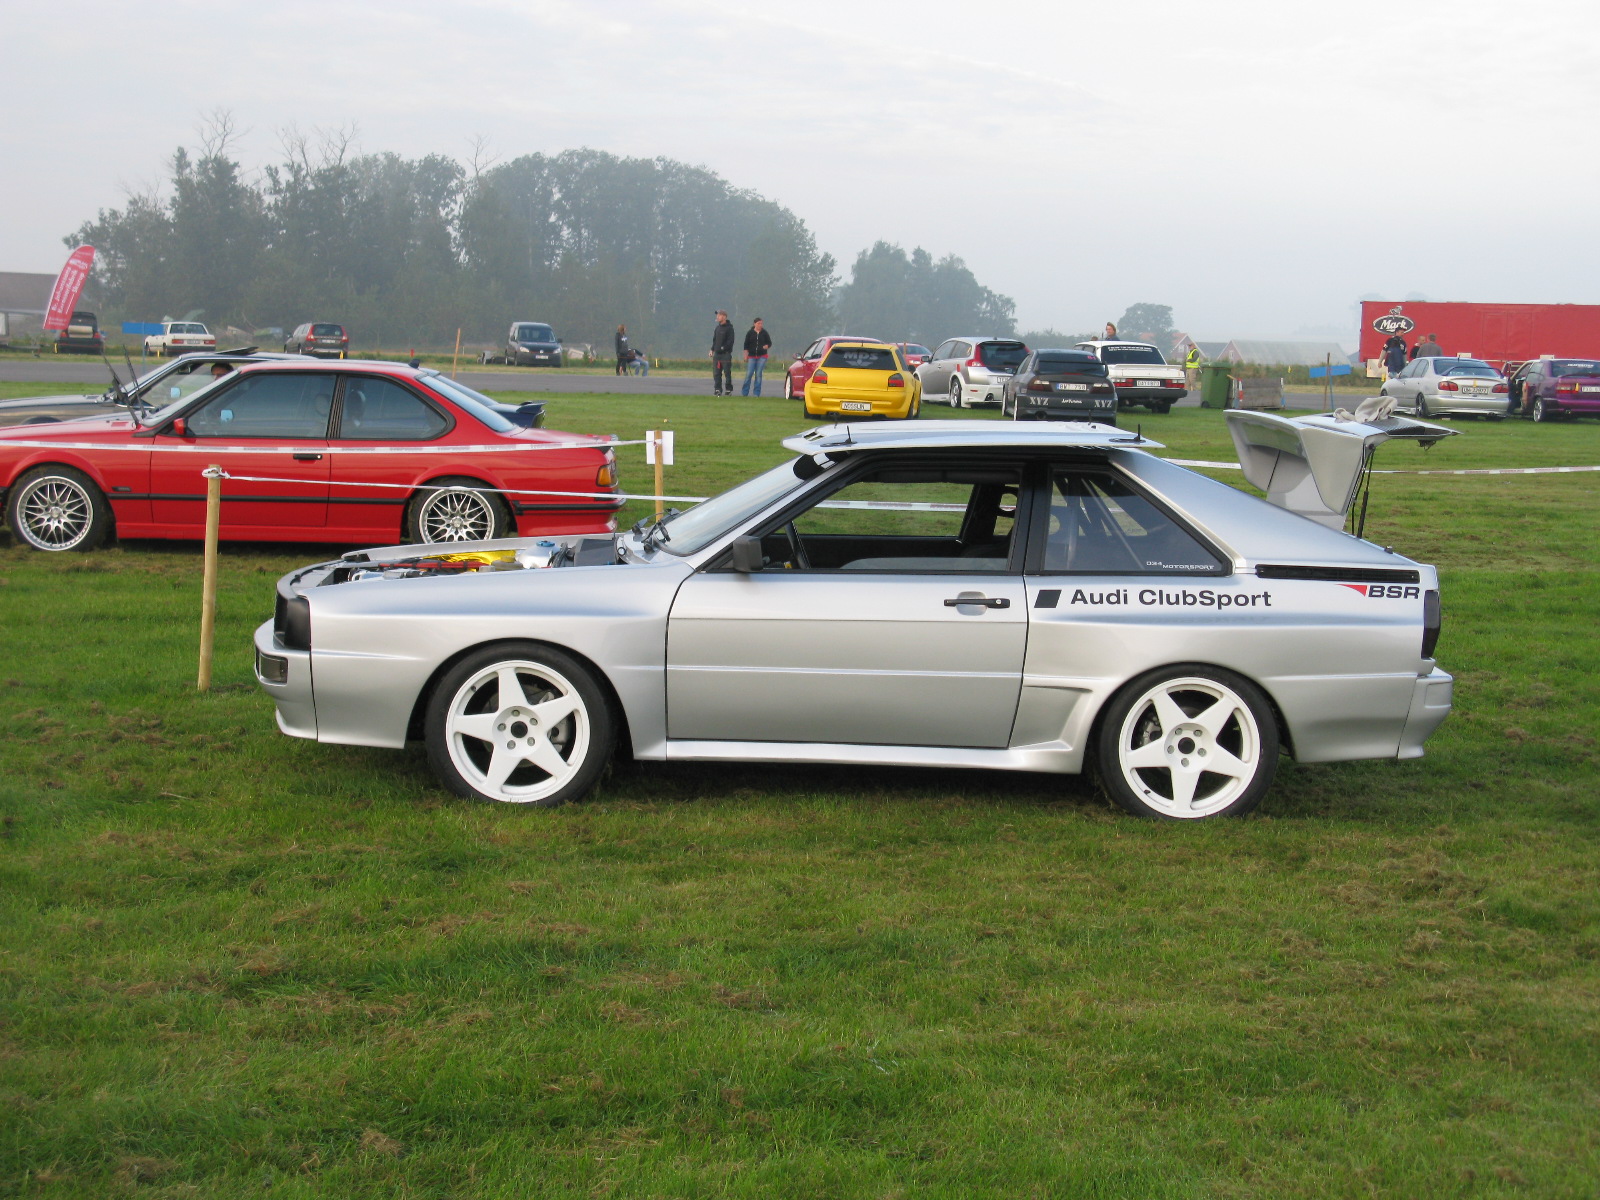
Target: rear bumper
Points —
{"points": [[1066, 406], [1565, 406], [884, 402], [1473, 406], [1431, 699]]}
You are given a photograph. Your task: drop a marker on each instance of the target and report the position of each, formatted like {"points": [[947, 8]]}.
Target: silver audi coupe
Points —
{"points": [[939, 593]]}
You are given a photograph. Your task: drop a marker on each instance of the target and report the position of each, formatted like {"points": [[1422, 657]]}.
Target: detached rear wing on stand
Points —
{"points": [[1314, 465]]}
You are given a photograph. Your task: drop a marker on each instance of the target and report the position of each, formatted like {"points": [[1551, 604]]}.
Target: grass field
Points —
{"points": [[237, 964]]}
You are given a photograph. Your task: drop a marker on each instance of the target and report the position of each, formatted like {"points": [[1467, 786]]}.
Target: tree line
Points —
{"points": [[405, 251]]}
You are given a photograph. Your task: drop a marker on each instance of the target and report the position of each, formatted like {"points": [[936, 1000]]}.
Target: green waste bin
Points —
{"points": [[1214, 384]]}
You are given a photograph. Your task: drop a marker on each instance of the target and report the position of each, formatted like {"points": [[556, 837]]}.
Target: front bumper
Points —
{"points": [[536, 358], [1431, 699], [293, 695]]}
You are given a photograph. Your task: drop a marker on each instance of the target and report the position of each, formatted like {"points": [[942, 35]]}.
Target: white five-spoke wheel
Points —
{"points": [[455, 510], [520, 723], [1187, 742], [58, 508]]}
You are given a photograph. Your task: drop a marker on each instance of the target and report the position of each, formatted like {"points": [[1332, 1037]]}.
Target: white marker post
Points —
{"points": [[658, 452], [208, 584]]}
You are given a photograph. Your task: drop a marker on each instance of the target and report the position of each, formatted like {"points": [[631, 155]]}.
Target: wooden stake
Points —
{"points": [[456, 356], [208, 583], [661, 485]]}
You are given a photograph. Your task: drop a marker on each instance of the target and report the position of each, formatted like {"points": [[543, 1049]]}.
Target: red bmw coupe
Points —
{"points": [[358, 452]]}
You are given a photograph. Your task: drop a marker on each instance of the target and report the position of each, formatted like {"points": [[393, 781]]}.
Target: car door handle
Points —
{"points": [[981, 601], [308, 458]]}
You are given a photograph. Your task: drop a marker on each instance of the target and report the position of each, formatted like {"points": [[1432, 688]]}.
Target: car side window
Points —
{"points": [[1099, 525], [906, 520], [381, 410], [291, 405], [814, 351]]}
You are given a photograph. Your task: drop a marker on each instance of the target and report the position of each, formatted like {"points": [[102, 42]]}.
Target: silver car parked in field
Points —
{"points": [[1025, 597], [1450, 387]]}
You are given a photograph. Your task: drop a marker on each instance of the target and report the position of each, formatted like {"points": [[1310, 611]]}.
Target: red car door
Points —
{"points": [[271, 427], [380, 425]]}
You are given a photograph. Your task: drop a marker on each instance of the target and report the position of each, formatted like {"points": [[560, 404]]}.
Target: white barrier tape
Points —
{"points": [[313, 449], [892, 505], [447, 487], [1227, 466]]}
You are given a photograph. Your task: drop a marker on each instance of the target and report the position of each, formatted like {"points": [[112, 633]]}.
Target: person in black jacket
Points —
{"points": [[722, 355], [624, 352], [757, 345]]}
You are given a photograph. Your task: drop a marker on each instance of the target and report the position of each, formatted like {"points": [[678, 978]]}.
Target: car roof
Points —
{"points": [[965, 435], [873, 342], [984, 337], [1116, 342]]}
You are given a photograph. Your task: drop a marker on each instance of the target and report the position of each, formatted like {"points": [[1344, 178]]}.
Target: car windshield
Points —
{"points": [[534, 333], [476, 403], [1146, 355], [1077, 364], [1468, 367], [177, 391], [327, 330], [705, 523], [1002, 356], [861, 358], [1561, 368]]}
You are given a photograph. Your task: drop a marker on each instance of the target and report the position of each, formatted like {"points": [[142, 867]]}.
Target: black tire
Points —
{"points": [[1154, 759], [1161, 409], [58, 509], [1422, 407], [453, 510], [953, 397], [541, 763], [1539, 412]]}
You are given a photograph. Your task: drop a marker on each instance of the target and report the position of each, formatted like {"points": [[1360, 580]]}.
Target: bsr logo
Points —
{"points": [[1385, 591]]}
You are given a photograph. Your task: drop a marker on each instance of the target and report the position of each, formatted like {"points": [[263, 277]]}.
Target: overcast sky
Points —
{"points": [[1258, 166]]}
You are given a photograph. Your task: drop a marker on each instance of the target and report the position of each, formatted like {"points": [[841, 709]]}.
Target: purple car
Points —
{"points": [[1547, 389]]}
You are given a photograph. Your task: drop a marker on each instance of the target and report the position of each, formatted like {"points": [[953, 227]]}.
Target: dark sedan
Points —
{"points": [[1550, 388], [1060, 385]]}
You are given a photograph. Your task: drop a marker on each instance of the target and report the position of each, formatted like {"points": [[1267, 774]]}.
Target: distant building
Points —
{"points": [[24, 295], [1210, 351], [1282, 354]]}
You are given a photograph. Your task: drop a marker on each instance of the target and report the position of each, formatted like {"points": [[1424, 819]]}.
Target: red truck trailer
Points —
{"points": [[1499, 333]]}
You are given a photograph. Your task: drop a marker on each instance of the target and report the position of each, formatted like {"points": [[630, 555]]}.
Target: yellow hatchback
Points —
{"points": [[864, 379]]}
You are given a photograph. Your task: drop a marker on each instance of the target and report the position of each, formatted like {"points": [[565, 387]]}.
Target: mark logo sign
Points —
{"points": [[1394, 321], [1385, 591]]}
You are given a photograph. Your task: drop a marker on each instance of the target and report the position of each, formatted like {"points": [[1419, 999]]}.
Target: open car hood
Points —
{"points": [[1312, 465]]}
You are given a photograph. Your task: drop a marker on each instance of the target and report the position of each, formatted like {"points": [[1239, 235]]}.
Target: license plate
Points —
{"points": [[1072, 387], [854, 406], [1151, 382], [1591, 389]]}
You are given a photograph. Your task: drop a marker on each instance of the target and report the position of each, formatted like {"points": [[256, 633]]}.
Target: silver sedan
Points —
{"points": [[1450, 387], [1023, 597]]}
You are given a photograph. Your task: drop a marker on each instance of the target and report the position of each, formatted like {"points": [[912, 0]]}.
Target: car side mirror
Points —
{"points": [[747, 557], [178, 428], [561, 341]]}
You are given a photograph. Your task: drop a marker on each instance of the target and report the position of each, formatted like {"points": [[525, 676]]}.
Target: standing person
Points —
{"points": [[757, 345], [1191, 367], [722, 355], [1394, 355], [1111, 332], [1430, 348], [624, 354]]}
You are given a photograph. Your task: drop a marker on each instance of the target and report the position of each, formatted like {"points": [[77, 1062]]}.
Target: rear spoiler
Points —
{"points": [[1313, 465]]}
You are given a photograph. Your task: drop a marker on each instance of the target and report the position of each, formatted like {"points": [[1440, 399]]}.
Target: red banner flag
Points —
{"points": [[69, 286]]}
